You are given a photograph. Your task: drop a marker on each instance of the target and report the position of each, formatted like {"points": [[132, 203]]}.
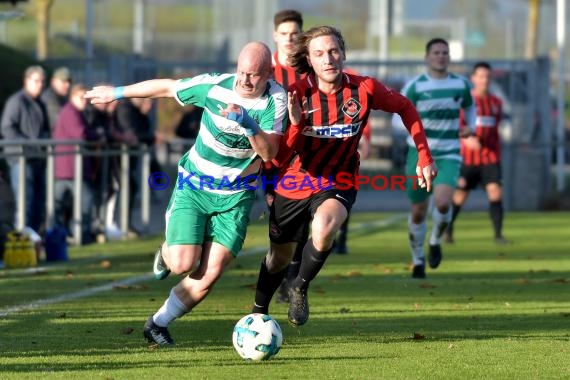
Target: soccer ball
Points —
{"points": [[257, 337]]}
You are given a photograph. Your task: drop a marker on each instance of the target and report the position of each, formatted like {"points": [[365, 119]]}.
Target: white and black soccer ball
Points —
{"points": [[257, 337]]}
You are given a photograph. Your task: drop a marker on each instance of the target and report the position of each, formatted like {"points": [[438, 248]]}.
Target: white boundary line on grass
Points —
{"points": [[137, 279]]}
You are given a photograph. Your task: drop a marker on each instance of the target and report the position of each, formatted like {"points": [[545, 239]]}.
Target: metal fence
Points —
{"points": [[80, 151]]}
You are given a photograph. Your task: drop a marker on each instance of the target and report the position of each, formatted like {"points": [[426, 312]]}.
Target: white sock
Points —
{"points": [[171, 309], [440, 223], [417, 237]]}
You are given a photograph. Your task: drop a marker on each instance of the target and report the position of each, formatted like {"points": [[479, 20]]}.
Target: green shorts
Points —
{"points": [[448, 173], [195, 216]]}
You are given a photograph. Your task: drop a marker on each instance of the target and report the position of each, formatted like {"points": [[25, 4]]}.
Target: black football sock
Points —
{"points": [[496, 211], [454, 212], [312, 262], [267, 284]]}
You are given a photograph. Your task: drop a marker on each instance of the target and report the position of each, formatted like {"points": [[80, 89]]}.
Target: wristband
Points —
{"points": [[119, 92], [246, 121]]}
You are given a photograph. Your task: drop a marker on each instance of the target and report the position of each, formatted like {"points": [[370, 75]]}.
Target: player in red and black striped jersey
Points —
{"points": [[287, 24], [481, 154], [319, 161]]}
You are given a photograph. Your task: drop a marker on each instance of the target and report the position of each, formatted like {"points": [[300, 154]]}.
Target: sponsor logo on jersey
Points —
{"points": [[332, 131]]}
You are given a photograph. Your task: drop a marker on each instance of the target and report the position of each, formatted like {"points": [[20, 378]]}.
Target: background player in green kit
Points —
{"points": [[438, 96], [207, 217]]}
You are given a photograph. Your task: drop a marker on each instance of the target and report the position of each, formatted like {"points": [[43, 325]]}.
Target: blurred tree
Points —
{"points": [[43, 18]]}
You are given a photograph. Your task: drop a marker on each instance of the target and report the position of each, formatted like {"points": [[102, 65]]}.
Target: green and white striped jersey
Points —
{"points": [[222, 159], [438, 102]]}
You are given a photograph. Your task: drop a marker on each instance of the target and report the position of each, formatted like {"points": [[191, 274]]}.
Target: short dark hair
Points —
{"points": [[481, 65], [288, 15], [31, 70], [433, 41], [298, 58]]}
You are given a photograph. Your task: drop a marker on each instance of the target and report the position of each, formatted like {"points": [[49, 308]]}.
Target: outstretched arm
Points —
{"points": [[154, 88]]}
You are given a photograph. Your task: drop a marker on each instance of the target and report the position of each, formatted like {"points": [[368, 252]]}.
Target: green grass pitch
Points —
{"points": [[489, 311]]}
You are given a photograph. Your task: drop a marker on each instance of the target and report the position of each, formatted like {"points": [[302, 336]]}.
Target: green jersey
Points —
{"points": [[438, 102], [222, 159]]}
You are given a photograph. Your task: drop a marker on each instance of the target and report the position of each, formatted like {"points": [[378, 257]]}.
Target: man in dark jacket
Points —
{"points": [[24, 118], [55, 96]]}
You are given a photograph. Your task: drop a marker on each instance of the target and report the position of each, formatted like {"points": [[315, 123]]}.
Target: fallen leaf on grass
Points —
{"points": [[127, 330], [105, 264], [418, 336], [383, 269], [417, 306], [451, 345], [354, 273]]}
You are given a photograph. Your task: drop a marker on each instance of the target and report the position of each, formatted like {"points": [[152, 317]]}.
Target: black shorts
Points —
{"points": [[289, 219], [470, 176]]}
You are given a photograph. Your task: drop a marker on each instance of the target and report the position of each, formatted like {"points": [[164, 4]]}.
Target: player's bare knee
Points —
{"points": [[182, 260]]}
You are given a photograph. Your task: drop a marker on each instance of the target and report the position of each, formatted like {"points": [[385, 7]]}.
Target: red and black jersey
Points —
{"points": [[325, 146], [489, 111], [284, 75]]}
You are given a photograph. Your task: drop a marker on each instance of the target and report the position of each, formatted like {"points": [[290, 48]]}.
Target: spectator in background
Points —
{"points": [[24, 118], [112, 231], [189, 124], [72, 125], [133, 127], [55, 96], [99, 125]]}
